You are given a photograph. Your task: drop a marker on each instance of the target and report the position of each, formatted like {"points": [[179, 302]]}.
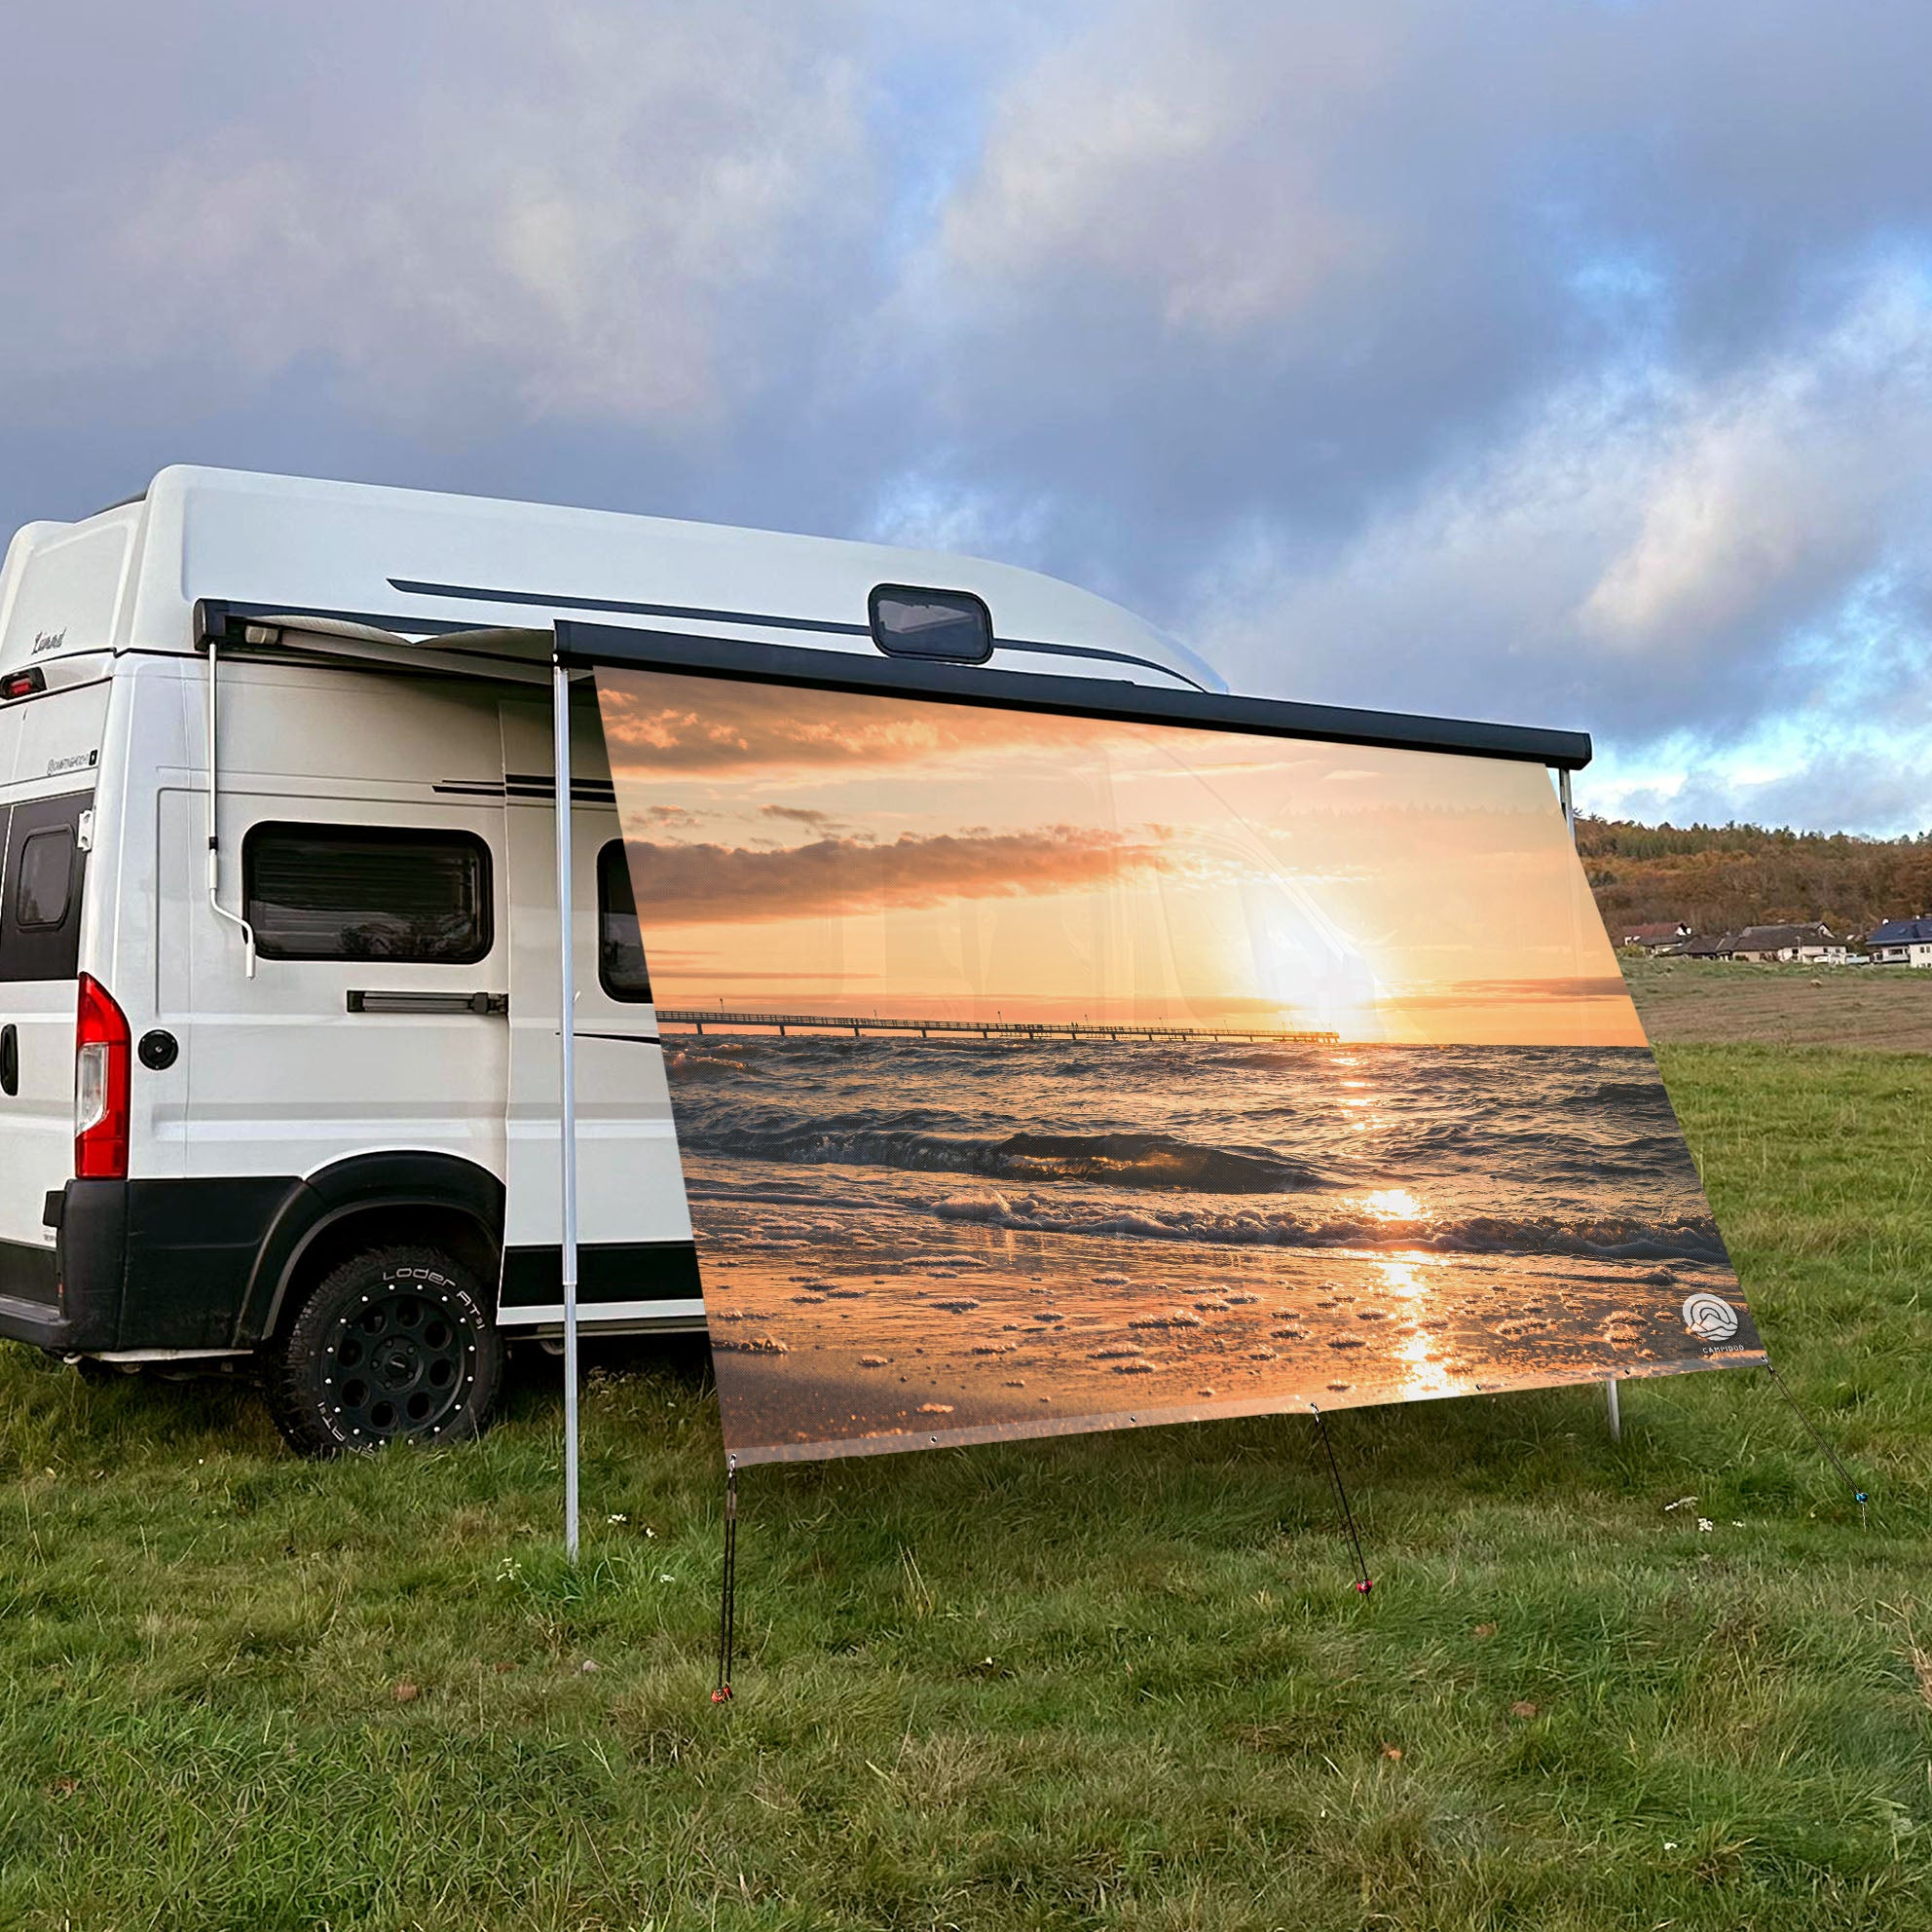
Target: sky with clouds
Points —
{"points": [[1566, 362]]}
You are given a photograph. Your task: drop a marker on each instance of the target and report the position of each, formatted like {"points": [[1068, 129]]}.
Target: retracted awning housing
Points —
{"points": [[525, 656], [593, 645]]}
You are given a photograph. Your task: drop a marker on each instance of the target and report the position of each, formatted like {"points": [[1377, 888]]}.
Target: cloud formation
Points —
{"points": [[708, 884], [1465, 993], [1653, 550], [1521, 358], [800, 815], [712, 724], [572, 215]]}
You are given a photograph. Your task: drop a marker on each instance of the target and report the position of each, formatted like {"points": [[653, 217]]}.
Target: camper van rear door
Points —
{"points": [[43, 873]]}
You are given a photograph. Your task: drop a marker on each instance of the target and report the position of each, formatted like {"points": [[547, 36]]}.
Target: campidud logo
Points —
{"points": [[1710, 1318]]}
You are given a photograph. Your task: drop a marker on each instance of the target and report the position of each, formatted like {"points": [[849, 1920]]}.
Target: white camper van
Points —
{"points": [[278, 941]]}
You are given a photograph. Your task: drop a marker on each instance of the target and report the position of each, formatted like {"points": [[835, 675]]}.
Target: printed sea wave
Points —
{"points": [[1121, 1159], [919, 1142], [1609, 1237], [1463, 1147], [1647, 1094]]}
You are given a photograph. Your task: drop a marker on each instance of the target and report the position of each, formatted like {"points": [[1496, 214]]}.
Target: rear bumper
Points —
{"points": [[67, 1297], [145, 1264]]}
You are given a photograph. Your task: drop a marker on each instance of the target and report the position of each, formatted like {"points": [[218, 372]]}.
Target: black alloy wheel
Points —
{"points": [[395, 1345]]}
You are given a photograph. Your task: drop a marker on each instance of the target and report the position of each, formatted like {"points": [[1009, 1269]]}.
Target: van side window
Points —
{"points": [[44, 869], [621, 970], [45, 885], [366, 892]]}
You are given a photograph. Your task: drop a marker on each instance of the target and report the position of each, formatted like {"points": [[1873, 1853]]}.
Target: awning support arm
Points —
{"points": [[215, 841], [560, 708]]}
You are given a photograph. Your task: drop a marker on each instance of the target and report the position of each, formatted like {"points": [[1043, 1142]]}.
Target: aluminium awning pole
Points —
{"points": [[560, 715], [1613, 1407]]}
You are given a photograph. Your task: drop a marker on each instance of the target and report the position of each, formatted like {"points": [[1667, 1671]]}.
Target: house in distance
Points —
{"points": [[1901, 943], [1656, 938], [1811, 945]]}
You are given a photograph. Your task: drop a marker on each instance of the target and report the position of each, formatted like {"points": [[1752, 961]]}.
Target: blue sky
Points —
{"points": [[1524, 359]]}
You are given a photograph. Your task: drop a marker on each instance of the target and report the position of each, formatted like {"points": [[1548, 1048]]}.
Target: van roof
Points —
{"points": [[416, 561]]}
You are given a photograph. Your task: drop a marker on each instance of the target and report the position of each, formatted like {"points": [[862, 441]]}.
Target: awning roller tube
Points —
{"points": [[587, 646]]}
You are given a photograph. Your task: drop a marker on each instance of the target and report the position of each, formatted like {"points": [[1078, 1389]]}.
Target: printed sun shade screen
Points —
{"points": [[1035, 1074]]}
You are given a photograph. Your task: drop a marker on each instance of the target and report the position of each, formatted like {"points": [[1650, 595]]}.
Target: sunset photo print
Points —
{"points": [[1036, 1072]]}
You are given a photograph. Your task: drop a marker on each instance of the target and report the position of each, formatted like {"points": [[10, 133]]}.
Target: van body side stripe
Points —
{"points": [[763, 621]]}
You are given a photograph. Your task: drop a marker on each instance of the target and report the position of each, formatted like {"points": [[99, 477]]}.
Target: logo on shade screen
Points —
{"points": [[1710, 1318]]}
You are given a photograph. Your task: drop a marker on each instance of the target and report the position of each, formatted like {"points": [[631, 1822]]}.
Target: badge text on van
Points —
{"points": [[80, 761], [46, 641]]}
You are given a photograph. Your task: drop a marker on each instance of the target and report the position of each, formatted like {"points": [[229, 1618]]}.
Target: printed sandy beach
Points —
{"points": [[899, 1263]]}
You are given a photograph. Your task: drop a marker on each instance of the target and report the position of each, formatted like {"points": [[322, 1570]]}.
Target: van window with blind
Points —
{"points": [[43, 887], [367, 892], [621, 970], [43, 869]]}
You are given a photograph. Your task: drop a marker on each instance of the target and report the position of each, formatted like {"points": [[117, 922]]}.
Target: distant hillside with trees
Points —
{"points": [[1718, 877]]}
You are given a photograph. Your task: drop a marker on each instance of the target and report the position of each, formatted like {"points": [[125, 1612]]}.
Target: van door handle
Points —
{"points": [[9, 1060], [373, 1001]]}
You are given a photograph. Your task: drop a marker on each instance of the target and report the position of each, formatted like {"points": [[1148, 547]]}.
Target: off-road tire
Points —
{"points": [[395, 1345]]}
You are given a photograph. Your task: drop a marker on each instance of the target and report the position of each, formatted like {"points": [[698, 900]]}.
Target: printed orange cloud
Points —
{"points": [[707, 884], [1512, 992], [689, 726]]}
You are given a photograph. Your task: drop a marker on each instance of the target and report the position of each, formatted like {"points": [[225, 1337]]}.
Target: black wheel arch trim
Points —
{"points": [[362, 1183]]}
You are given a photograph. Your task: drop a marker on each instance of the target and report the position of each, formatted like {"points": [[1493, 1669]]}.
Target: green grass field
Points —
{"points": [[1117, 1681], [1723, 1002]]}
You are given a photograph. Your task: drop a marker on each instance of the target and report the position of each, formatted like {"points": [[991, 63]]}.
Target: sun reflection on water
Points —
{"points": [[1426, 1376], [1393, 1204], [1408, 1281], [1404, 1279]]}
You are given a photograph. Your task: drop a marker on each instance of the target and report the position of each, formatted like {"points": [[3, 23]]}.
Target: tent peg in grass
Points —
{"points": [[1364, 1582], [1858, 1495]]}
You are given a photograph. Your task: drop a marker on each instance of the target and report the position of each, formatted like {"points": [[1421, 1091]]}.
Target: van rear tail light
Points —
{"points": [[101, 1074], [22, 684]]}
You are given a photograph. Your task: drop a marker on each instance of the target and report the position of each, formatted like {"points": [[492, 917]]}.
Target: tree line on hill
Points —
{"points": [[1717, 879]]}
